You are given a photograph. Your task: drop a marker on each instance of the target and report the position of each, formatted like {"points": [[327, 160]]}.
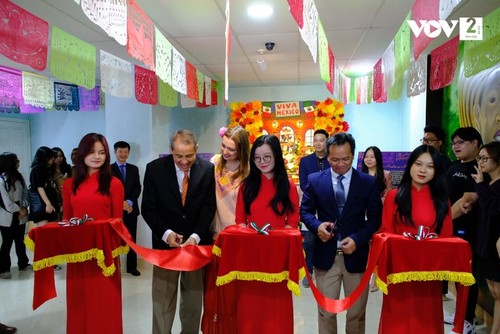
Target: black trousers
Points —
{"points": [[10, 235], [130, 222]]}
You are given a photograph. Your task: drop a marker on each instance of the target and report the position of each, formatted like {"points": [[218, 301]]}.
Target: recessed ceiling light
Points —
{"points": [[260, 11]]}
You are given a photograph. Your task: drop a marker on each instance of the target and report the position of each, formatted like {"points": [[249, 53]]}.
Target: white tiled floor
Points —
{"points": [[16, 298]]}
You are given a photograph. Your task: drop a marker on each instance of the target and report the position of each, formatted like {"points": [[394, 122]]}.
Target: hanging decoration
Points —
{"points": [[116, 76], [296, 8], [111, 16], [72, 59], [423, 10], [167, 95], [90, 99], [179, 82], [192, 83], [163, 57], [140, 34], [417, 77], [309, 31], [38, 90], [443, 64], [480, 55], [401, 59], [24, 37], [146, 85], [379, 93]]}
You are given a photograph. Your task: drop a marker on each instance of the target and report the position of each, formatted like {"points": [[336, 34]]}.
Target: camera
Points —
{"points": [[270, 46]]}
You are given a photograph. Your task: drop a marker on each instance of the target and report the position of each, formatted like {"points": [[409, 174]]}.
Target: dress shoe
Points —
{"points": [[29, 267], [134, 272], [5, 275], [305, 283], [4, 329]]}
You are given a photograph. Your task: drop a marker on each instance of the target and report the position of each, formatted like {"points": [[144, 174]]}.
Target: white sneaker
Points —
{"points": [[449, 318], [468, 328]]}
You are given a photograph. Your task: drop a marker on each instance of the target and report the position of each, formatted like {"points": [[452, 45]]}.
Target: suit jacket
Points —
{"points": [[132, 185], [360, 218], [162, 207], [309, 165]]}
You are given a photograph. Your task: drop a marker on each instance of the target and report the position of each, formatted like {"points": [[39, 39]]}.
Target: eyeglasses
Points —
{"points": [[458, 143], [265, 158], [428, 140], [482, 159]]}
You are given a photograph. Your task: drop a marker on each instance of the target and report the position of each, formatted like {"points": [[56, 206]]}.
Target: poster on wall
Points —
{"points": [[395, 162]]}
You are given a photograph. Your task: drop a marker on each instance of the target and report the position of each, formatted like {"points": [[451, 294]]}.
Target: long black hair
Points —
{"points": [[8, 166], [379, 173], [65, 167], [252, 182], [42, 157], [437, 187]]}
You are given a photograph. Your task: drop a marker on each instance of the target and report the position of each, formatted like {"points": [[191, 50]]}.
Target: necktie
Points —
{"points": [[185, 183], [340, 193], [122, 170]]}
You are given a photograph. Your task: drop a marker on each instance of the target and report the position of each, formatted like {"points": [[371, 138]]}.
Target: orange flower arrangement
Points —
{"points": [[329, 115], [248, 116]]}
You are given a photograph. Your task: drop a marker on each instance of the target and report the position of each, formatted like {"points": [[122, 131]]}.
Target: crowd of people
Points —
{"points": [[189, 201]]}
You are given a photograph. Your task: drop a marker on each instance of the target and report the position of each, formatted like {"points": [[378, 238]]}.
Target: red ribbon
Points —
{"points": [[188, 258]]}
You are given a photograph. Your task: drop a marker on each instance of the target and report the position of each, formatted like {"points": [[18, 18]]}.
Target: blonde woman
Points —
{"points": [[231, 166]]}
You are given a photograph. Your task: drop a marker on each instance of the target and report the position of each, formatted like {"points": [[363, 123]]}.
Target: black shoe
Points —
{"points": [[134, 272]]}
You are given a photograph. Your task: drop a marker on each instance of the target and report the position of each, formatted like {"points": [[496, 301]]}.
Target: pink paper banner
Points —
{"points": [[146, 86], [140, 35], [192, 81], [379, 93], [444, 64], [423, 10], [24, 37], [296, 9]]}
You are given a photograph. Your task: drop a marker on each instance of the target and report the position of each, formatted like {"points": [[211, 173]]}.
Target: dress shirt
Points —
{"points": [[346, 181], [130, 203], [180, 176]]}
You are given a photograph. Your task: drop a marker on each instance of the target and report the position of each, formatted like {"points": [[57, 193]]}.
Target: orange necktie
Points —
{"points": [[185, 183]]}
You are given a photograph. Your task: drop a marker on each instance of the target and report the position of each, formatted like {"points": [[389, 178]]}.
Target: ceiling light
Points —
{"points": [[260, 11]]}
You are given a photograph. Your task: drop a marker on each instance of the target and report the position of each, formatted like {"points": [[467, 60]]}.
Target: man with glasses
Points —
{"points": [[465, 143], [434, 136], [343, 208]]}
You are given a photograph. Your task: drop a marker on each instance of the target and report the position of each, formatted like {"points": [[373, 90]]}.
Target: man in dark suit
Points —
{"points": [[178, 204], [343, 207], [129, 175], [312, 163]]}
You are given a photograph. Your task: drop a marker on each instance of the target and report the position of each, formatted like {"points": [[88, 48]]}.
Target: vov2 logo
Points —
{"points": [[471, 28]]}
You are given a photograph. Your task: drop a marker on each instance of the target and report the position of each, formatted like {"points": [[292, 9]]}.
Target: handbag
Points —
{"points": [[36, 204]]}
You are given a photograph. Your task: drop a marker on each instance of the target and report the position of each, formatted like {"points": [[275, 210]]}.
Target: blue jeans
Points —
{"points": [[308, 245]]}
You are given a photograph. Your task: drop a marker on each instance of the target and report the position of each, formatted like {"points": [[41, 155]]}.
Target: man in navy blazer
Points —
{"points": [[132, 185], [343, 208], [312, 163], [177, 220]]}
